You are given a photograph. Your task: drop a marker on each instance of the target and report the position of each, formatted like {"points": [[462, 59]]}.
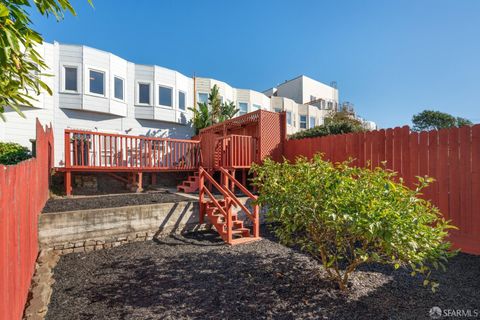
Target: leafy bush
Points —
{"points": [[337, 122], [11, 153], [327, 129], [348, 216]]}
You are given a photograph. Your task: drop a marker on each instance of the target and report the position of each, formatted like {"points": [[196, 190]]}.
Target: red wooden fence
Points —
{"points": [[451, 156], [23, 193]]}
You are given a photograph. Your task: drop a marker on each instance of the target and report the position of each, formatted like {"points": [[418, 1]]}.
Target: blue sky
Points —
{"points": [[392, 59]]}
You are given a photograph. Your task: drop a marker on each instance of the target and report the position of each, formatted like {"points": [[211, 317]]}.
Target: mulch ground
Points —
{"points": [[198, 277], [111, 201]]}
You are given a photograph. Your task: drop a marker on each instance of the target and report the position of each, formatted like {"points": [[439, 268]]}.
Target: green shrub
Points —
{"points": [[12, 153], [348, 216], [328, 129]]}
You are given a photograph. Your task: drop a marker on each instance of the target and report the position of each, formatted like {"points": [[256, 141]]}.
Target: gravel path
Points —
{"points": [[198, 277], [111, 201]]}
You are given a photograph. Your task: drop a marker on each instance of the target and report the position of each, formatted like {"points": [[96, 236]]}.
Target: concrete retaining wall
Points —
{"points": [[87, 230]]}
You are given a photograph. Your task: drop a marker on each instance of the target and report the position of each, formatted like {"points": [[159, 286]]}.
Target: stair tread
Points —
{"points": [[244, 240]]}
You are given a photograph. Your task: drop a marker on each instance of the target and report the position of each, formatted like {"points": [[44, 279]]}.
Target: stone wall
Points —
{"points": [[88, 230]]}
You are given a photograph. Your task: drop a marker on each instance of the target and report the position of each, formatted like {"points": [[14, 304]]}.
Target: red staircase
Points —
{"points": [[219, 211], [190, 185]]}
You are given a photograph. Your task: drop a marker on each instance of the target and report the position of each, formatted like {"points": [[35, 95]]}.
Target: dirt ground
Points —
{"points": [[198, 277], [111, 201]]}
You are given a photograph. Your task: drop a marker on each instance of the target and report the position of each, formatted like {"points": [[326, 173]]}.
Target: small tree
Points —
{"points": [[21, 65], [436, 120], [349, 216]]}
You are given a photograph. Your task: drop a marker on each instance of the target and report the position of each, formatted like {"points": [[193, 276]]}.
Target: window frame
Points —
{"points": [[184, 100], [150, 93], [123, 89], [87, 82], [310, 121], [198, 97], [289, 117], [240, 109], [172, 101], [300, 122], [63, 79]]}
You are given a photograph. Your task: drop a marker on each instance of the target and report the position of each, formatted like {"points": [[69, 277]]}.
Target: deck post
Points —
{"points": [[244, 178], [68, 183], [201, 192], [229, 220], [68, 173], [140, 182], [232, 183], [154, 178], [256, 224]]}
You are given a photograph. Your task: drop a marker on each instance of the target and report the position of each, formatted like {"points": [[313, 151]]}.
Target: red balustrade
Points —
{"points": [[235, 151], [116, 152]]}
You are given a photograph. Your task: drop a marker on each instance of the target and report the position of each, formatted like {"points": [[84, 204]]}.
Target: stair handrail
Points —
{"points": [[254, 217], [202, 189], [203, 173]]}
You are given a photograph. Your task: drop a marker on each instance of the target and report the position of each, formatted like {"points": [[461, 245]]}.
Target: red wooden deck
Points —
{"points": [[233, 144]]}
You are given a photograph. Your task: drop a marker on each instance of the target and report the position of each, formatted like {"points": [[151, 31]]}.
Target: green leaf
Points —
{"points": [[4, 12]]}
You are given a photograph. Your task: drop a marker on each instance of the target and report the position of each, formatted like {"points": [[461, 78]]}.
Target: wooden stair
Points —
{"points": [[190, 185], [240, 234]]}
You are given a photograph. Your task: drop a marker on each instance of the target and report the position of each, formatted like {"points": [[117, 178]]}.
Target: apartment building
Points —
{"points": [[99, 91]]}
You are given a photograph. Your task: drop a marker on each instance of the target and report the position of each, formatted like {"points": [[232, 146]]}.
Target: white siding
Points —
{"points": [[89, 112]]}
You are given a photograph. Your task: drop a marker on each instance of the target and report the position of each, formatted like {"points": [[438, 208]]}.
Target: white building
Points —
{"points": [[99, 91]]}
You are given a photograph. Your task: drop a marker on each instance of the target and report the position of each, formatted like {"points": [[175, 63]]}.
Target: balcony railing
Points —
{"points": [[96, 150], [235, 151]]}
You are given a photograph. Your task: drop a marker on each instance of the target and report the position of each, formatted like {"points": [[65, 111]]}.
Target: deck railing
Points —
{"points": [[235, 151], [104, 151]]}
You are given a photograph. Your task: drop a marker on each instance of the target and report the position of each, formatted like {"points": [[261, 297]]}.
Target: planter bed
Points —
{"points": [[111, 201], [197, 276]]}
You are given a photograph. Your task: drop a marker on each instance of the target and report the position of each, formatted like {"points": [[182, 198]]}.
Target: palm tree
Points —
{"points": [[215, 105], [201, 117], [215, 111], [229, 110]]}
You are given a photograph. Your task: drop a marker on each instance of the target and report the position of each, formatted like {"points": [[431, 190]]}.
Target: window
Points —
{"points": [[312, 122], [118, 88], [289, 117], [165, 96], [243, 108], [97, 82], [303, 122], [256, 107], [181, 100], [294, 120], [277, 110], [313, 98], [71, 79], [203, 97], [329, 105], [144, 93]]}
